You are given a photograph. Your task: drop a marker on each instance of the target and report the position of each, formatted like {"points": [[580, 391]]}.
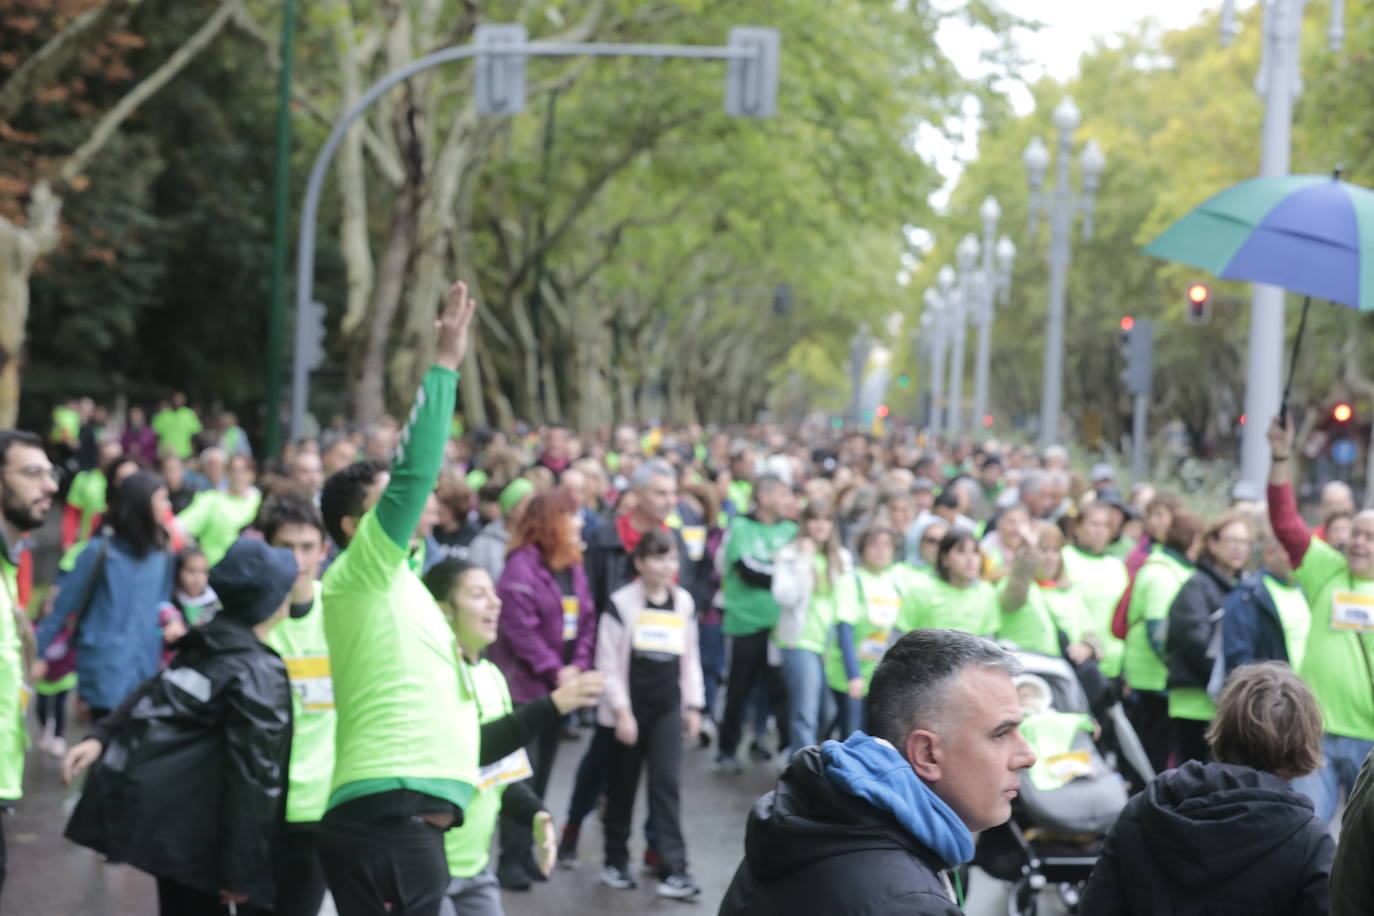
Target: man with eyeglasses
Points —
{"points": [[28, 483]]}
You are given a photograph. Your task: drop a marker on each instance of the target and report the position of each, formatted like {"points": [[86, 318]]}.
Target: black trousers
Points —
{"points": [[395, 862], [1148, 711], [299, 874], [1188, 741], [516, 839], [748, 662], [176, 899], [660, 745]]}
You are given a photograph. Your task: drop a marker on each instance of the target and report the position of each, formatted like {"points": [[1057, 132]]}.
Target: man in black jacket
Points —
{"points": [[189, 778], [879, 824]]}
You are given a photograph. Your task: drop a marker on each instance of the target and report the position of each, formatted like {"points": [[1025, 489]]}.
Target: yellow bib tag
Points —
{"points": [[1352, 612], [874, 647], [660, 631], [511, 768], [571, 610], [1070, 766], [882, 611], [25, 695], [310, 678], [694, 536]]}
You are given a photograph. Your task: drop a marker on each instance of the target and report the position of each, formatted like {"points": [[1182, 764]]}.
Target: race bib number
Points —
{"points": [[25, 695], [694, 536], [874, 647], [310, 678], [571, 609], [1352, 612], [660, 631], [511, 768], [882, 611]]}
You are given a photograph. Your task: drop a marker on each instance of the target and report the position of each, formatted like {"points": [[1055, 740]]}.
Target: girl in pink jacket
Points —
{"points": [[646, 645]]}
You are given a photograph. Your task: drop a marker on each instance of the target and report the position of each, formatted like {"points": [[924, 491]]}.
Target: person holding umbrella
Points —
{"points": [[1337, 662]]}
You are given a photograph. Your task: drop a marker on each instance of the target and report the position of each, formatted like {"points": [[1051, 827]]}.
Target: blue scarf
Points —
{"points": [[870, 768]]}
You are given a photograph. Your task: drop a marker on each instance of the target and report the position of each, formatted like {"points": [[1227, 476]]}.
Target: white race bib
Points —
{"points": [[660, 631], [571, 611], [310, 678], [694, 536], [511, 768], [882, 611], [1352, 612]]}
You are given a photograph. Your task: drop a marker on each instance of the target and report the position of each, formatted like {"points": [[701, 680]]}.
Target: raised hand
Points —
{"points": [[452, 327]]}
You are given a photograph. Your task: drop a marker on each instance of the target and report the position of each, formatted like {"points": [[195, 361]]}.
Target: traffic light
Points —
{"points": [[1199, 304], [1342, 412], [882, 411], [1137, 347], [903, 381]]}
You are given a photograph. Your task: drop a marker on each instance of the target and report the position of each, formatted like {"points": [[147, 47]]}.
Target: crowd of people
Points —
{"points": [[352, 667]]}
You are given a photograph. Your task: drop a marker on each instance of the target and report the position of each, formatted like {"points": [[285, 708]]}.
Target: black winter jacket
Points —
{"points": [[1191, 626], [192, 780], [1213, 839], [812, 848], [609, 565]]}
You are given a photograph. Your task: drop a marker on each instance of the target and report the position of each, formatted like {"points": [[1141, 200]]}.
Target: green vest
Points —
{"points": [[14, 691], [305, 652], [871, 603], [1100, 582], [1294, 616], [468, 846], [1337, 660]]}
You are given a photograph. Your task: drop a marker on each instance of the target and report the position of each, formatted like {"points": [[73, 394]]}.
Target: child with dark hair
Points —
{"points": [[647, 648]]}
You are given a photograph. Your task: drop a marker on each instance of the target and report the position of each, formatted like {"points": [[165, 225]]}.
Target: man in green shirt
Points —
{"points": [[406, 739], [1337, 662], [751, 543], [175, 426], [293, 522]]}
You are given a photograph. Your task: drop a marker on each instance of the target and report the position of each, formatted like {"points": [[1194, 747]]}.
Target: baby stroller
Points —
{"points": [[1070, 798]]}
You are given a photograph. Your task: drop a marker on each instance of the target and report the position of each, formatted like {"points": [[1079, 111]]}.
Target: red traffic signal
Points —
{"points": [[1127, 322], [1342, 413], [1199, 303], [882, 411]]}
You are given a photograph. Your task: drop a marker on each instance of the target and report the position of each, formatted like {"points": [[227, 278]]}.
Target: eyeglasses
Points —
{"points": [[931, 540], [37, 472], [1235, 541]]}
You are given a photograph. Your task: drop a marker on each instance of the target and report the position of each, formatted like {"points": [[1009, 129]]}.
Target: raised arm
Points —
{"points": [[1288, 525], [420, 451]]}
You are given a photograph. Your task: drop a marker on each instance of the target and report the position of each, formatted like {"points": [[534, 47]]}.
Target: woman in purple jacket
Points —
{"points": [[546, 635]]}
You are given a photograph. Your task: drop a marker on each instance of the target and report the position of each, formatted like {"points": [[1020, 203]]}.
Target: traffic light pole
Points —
{"points": [[1139, 438], [751, 90]]}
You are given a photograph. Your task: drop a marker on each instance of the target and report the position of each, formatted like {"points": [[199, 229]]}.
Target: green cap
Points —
{"points": [[515, 491]]}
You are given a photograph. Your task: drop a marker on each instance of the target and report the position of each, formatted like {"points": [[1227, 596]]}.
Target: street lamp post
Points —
{"points": [[933, 321], [953, 287], [1066, 203], [997, 259], [859, 347], [1279, 82]]}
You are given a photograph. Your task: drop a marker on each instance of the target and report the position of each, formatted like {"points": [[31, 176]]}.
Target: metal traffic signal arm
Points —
{"points": [[751, 91]]}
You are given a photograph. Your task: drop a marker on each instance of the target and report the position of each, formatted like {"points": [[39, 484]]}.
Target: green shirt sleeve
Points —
{"points": [[419, 455]]}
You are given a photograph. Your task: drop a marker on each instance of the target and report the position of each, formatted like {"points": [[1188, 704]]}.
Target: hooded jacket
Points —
{"points": [[192, 779], [1193, 620], [1213, 839], [850, 830]]}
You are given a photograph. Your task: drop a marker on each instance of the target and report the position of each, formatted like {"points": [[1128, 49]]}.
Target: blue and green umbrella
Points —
{"points": [[1310, 234]]}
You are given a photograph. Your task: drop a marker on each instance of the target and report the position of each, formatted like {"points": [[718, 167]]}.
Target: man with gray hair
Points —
{"points": [[881, 823]]}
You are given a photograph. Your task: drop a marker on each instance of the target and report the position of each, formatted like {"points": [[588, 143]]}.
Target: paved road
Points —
{"points": [[51, 876]]}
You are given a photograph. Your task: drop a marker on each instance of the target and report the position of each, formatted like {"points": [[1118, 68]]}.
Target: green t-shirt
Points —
{"points": [[750, 608], [937, 605], [821, 614], [871, 603], [14, 691], [1035, 626], [215, 518], [740, 493], [1294, 616], [174, 430], [1336, 662], [66, 425], [1053, 735], [303, 649], [468, 846], [1100, 582], [406, 713], [1156, 586]]}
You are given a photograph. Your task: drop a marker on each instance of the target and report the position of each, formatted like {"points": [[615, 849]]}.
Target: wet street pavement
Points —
{"points": [[50, 876]]}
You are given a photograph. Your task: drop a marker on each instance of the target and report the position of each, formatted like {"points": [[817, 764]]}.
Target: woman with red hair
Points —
{"points": [[546, 635]]}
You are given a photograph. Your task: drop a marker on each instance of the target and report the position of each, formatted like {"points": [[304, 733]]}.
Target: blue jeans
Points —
{"points": [[1344, 756], [851, 713], [807, 696], [711, 645]]}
